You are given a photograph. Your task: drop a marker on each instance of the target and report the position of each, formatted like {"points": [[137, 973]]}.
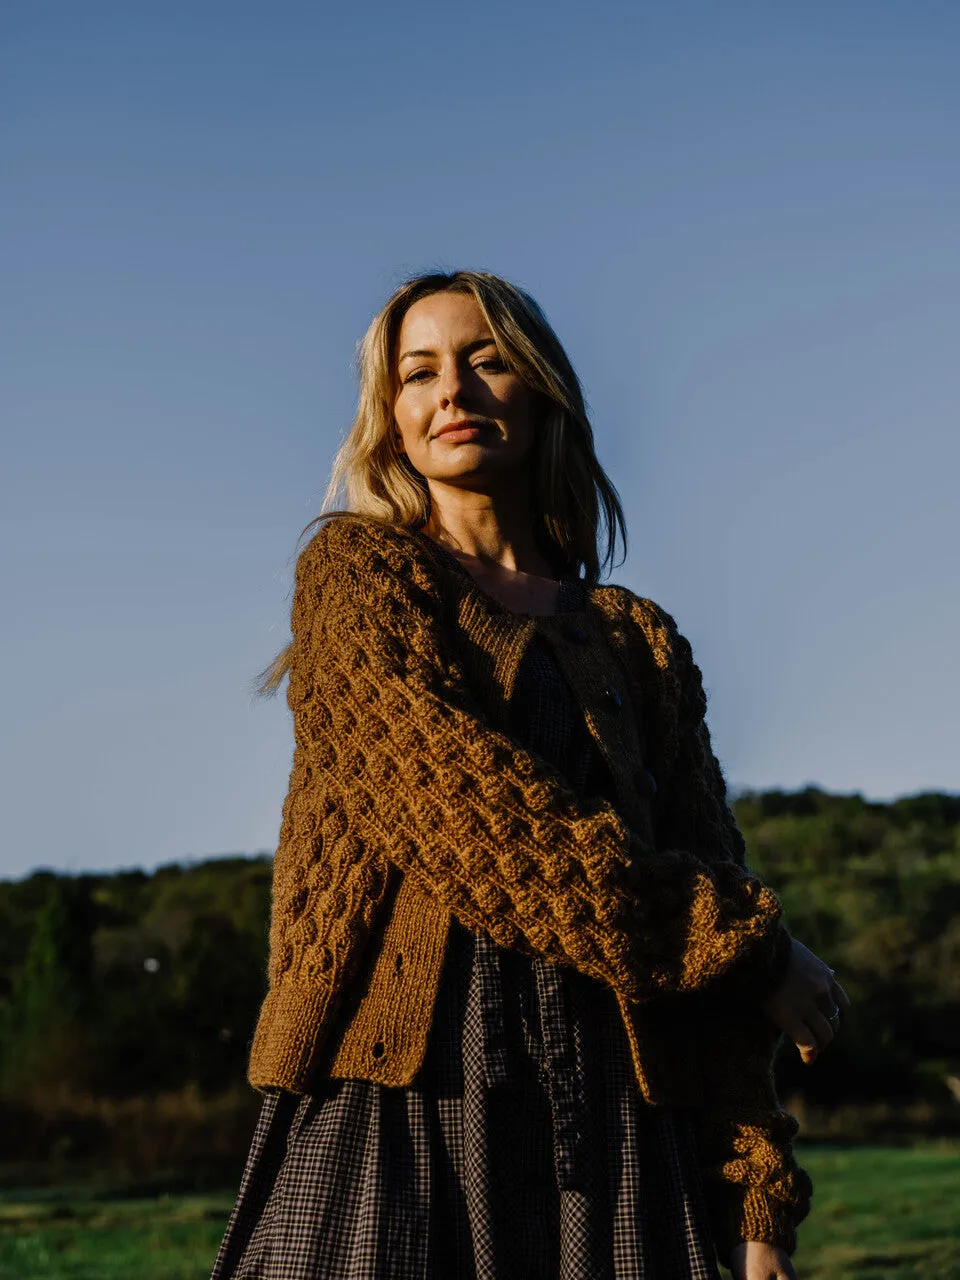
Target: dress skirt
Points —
{"points": [[522, 1150]]}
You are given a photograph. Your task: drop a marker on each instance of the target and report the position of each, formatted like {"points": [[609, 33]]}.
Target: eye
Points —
{"points": [[418, 375], [492, 363]]}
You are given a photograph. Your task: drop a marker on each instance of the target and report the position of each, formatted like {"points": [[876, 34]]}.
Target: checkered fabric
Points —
{"points": [[522, 1150]]}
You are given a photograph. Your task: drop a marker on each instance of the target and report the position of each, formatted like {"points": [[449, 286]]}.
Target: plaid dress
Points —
{"points": [[521, 1151]]}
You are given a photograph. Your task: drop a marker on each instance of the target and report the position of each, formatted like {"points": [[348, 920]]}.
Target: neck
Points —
{"points": [[494, 527]]}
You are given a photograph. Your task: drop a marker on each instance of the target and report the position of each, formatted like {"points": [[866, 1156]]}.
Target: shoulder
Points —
{"points": [[643, 617], [363, 582], [657, 636], [363, 553]]}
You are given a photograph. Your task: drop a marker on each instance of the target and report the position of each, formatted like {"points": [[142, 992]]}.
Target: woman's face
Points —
{"points": [[461, 414]]}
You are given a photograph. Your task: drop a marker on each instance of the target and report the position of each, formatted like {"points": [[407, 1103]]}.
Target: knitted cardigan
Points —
{"points": [[410, 804]]}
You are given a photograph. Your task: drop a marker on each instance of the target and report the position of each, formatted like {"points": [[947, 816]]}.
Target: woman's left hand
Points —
{"points": [[809, 1003], [754, 1261]]}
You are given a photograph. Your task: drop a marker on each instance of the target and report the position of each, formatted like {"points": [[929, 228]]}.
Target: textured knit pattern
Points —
{"points": [[521, 1150], [395, 764], [404, 763]]}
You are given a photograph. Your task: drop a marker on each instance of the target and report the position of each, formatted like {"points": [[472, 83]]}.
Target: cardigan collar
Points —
{"points": [[587, 642], [494, 611]]}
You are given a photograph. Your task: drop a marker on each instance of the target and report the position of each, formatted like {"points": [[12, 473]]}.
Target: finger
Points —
{"points": [[808, 1054], [806, 1046], [840, 996], [802, 1037], [807, 1042], [821, 1028], [827, 1005], [821, 984]]}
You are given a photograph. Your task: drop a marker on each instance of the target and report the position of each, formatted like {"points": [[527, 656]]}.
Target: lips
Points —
{"points": [[466, 424]]}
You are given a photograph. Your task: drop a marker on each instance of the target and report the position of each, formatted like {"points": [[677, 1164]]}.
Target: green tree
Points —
{"points": [[45, 1032]]}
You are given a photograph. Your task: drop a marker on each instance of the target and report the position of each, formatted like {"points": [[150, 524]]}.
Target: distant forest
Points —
{"points": [[134, 985]]}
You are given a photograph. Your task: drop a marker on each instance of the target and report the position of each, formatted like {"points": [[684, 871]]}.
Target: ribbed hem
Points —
{"points": [[287, 1039]]}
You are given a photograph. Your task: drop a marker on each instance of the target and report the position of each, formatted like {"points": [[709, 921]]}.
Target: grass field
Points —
{"points": [[882, 1214], [879, 1214], [59, 1235]]}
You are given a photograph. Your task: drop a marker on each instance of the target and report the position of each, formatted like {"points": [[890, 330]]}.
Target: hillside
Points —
{"points": [[132, 985]]}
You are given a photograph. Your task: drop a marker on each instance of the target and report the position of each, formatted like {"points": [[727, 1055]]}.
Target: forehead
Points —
{"points": [[442, 320]]}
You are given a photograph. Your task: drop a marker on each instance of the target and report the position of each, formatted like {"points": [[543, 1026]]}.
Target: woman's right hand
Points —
{"points": [[751, 1261], [804, 1002]]}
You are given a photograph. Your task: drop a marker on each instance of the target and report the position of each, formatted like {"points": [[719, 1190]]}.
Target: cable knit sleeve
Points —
{"points": [[692, 812], [754, 1187], [387, 735]]}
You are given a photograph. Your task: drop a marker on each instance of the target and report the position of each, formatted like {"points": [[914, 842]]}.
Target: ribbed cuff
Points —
{"points": [[760, 1216], [757, 1219]]}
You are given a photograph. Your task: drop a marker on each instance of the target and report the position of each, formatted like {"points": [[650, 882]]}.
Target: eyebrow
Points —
{"points": [[469, 349]]}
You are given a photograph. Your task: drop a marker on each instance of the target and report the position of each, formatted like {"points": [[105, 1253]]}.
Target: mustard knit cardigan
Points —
{"points": [[409, 804]]}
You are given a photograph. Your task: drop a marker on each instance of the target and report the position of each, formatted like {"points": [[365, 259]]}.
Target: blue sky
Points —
{"points": [[742, 221]]}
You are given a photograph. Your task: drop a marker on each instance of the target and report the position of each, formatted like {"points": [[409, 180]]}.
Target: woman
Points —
{"points": [[524, 991]]}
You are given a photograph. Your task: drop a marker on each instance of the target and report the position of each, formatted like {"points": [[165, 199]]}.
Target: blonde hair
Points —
{"points": [[571, 494]]}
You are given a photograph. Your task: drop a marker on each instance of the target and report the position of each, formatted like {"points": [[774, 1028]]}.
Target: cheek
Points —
{"points": [[522, 407], [410, 417]]}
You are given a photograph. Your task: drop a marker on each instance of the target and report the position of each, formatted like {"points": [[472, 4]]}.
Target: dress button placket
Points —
{"points": [[564, 1072], [490, 992]]}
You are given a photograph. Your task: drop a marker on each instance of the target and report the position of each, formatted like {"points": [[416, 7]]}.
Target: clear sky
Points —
{"points": [[741, 218]]}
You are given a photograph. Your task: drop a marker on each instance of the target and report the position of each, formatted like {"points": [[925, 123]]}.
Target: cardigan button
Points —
{"points": [[645, 783], [573, 631], [612, 694]]}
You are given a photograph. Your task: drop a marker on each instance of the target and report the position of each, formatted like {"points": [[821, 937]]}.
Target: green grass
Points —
{"points": [[882, 1213], [879, 1214], [75, 1237]]}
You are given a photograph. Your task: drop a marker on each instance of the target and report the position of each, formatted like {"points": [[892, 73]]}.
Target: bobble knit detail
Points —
{"points": [[402, 769]]}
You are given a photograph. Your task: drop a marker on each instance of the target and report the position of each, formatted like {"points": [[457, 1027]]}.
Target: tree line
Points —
{"points": [[133, 983]]}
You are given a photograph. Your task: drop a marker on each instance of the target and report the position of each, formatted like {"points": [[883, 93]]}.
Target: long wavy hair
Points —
{"points": [[574, 504]]}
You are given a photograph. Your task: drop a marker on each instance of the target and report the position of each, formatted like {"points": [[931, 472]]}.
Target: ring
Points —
{"points": [[834, 1018]]}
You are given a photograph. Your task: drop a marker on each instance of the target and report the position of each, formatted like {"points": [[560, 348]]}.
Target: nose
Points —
{"points": [[450, 385]]}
